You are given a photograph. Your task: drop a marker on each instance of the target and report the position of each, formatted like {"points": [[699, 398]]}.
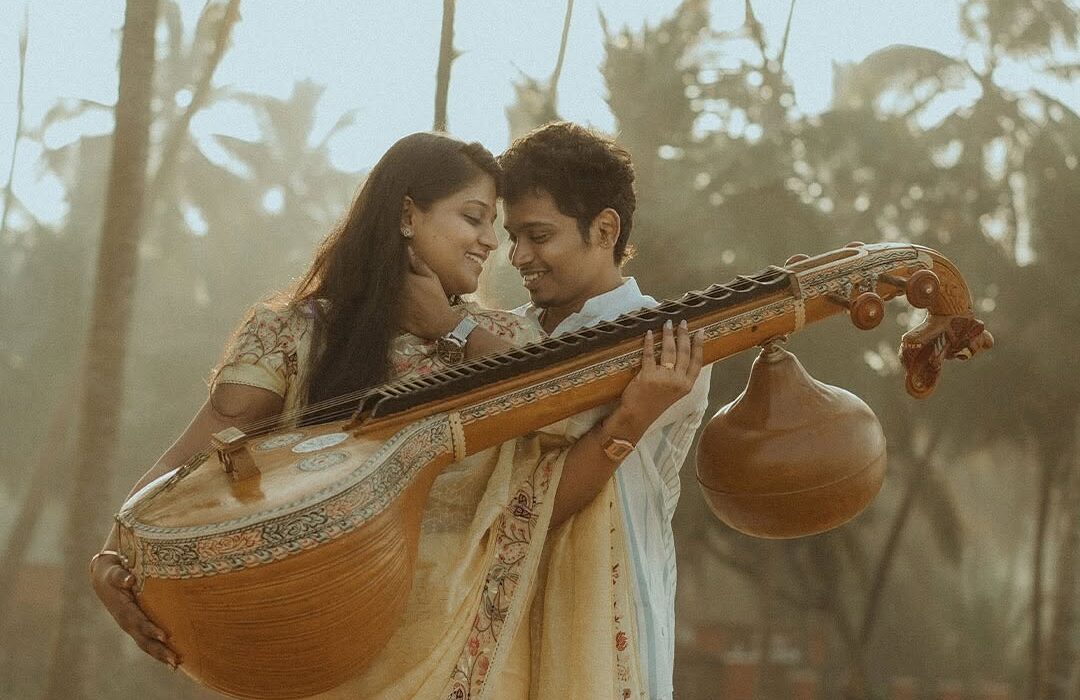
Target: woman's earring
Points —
{"points": [[406, 232]]}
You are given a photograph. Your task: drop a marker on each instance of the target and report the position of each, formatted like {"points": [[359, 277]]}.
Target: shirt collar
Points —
{"points": [[602, 307]]}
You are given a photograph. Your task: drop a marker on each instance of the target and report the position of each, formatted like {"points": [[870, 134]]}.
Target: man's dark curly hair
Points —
{"points": [[583, 171]]}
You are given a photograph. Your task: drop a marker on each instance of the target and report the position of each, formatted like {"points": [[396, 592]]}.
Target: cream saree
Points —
{"points": [[499, 606]]}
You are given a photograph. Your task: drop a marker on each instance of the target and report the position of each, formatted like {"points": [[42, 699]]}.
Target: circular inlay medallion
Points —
{"points": [[273, 443], [316, 463], [320, 442]]}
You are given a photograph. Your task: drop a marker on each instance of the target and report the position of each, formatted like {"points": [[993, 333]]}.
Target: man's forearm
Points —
{"points": [[588, 467]]}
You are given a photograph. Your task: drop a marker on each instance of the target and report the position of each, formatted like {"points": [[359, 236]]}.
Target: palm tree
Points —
{"points": [[106, 343], [54, 272], [447, 54]]}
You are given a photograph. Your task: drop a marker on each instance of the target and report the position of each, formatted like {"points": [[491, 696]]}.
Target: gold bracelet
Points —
{"points": [[121, 559]]}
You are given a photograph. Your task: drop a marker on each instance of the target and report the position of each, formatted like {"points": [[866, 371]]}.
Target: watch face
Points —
{"points": [[448, 351], [618, 449]]}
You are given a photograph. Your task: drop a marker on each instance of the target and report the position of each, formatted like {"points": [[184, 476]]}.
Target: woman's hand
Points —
{"points": [[114, 586], [228, 405], [660, 384], [425, 310]]}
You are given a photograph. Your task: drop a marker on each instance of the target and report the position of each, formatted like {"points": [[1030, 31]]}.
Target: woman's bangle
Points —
{"points": [[120, 558]]}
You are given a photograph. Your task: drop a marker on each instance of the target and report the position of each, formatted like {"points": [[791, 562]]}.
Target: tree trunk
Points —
{"points": [[553, 82], [1062, 653], [787, 36], [768, 555], [913, 489], [823, 557], [447, 54], [1047, 469], [102, 373], [9, 188]]}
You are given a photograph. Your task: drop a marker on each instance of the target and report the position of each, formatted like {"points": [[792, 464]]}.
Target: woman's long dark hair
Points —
{"points": [[356, 278]]}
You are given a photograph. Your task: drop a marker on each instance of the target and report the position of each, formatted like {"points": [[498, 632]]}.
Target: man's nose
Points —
{"points": [[519, 253]]}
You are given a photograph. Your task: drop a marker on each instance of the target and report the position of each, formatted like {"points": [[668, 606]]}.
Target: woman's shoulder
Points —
{"points": [[302, 311], [278, 316], [266, 349], [271, 326]]}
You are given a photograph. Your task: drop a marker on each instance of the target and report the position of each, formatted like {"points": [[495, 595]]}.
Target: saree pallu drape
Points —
{"points": [[502, 608]]}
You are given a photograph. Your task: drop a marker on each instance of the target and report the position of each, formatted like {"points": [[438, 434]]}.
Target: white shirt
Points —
{"points": [[647, 483]]}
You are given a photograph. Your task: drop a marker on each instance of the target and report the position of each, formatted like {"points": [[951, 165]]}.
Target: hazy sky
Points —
{"points": [[379, 56]]}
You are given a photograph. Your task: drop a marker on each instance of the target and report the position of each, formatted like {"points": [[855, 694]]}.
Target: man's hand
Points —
{"points": [[114, 586], [656, 387], [658, 384], [425, 311]]}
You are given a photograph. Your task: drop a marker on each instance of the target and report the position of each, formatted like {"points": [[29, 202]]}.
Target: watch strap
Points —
{"points": [[460, 333]]}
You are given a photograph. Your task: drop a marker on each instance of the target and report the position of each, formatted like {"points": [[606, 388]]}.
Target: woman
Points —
{"points": [[386, 284]]}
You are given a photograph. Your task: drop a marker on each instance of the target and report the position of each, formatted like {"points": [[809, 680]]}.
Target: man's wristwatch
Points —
{"points": [[617, 449], [451, 347]]}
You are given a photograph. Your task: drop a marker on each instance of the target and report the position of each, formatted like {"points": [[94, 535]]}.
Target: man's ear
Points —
{"points": [[606, 226]]}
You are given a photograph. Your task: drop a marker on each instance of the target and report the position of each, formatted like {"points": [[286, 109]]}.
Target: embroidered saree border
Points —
{"points": [[502, 585]]}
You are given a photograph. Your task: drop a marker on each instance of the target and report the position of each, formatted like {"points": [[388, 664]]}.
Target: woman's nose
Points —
{"points": [[488, 239]]}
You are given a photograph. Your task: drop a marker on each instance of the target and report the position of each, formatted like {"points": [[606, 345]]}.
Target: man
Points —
{"points": [[569, 204]]}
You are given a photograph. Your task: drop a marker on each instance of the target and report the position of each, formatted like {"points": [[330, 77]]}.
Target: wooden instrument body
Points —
{"points": [[790, 456], [282, 585]]}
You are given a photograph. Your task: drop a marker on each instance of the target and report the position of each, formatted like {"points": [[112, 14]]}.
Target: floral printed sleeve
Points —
{"points": [[265, 352], [413, 357], [516, 330]]}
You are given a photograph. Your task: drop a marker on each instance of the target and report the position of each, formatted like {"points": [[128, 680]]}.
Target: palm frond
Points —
{"points": [[255, 154], [899, 67], [68, 109]]}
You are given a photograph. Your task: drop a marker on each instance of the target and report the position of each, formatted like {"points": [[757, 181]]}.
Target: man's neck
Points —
{"points": [[552, 316]]}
